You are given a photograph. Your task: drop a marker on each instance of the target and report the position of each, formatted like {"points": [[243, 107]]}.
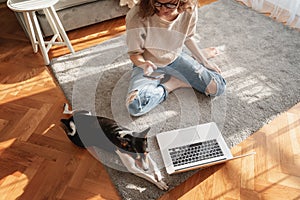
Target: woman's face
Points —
{"points": [[167, 8]]}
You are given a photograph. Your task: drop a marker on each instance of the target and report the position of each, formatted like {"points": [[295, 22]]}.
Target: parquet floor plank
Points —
{"points": [[50, 143], [37, 161], [80, 194]]}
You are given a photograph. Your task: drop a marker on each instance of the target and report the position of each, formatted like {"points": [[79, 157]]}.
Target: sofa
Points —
{"points": [[79, 13]]}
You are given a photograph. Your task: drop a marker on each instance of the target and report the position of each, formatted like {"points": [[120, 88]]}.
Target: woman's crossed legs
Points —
{"points": [[145, 94]]}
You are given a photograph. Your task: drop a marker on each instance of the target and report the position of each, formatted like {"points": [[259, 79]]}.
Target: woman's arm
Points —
{"points": [[146, 65]]}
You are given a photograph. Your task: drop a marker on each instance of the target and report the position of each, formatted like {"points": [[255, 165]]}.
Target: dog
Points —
{"points": [[106, 134]]}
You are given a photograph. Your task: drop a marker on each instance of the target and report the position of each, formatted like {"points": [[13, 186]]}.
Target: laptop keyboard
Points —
{"points": [[195, 152]]}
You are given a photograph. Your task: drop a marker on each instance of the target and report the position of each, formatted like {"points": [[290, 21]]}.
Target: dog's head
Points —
{"points": [[70, 129], [69, 125], [136, 145]]}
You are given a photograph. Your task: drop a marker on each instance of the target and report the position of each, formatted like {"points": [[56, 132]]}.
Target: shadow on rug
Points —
{"points": [[261, 65]]}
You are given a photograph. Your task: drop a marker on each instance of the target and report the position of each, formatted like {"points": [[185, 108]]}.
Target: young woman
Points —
{"points": [[156, 32]]}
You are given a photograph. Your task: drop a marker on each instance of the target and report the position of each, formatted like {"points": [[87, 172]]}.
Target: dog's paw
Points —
{"points": [[158, 176], [162, 185]]}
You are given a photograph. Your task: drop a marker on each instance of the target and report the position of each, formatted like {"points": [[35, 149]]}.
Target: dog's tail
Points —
{"points": [[67, 110]]}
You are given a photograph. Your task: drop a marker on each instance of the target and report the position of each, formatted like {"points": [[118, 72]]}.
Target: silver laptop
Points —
{"points": [[193, 147]]}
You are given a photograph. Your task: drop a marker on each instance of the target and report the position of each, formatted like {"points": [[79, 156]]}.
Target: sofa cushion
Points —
{"points": [[84, 15], [62, 4]]}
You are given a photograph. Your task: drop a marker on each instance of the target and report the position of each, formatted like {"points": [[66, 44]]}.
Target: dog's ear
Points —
{"points": [[142, 134]]}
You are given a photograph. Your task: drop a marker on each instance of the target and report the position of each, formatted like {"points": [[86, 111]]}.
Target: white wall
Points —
{"points": [[288, 4]]}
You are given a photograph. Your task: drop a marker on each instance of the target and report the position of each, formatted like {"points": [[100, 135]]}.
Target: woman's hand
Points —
{"points": [[213, 66], [148, 67]]}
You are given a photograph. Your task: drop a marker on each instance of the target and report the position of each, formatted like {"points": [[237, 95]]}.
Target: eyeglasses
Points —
{"points": [[166, 5]]}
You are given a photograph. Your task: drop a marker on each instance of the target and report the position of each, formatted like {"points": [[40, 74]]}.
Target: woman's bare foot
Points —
{"points": [[211, 52], [174, 83]]}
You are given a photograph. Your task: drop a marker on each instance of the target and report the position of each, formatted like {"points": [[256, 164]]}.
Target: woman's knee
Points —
{"points": [[141, 101], [133, 103], [216, 87]]}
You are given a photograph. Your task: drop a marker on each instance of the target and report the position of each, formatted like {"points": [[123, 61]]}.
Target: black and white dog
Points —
{"points": [[106, 134]]}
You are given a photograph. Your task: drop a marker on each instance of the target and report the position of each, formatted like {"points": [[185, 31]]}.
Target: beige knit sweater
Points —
{"points": [[158, 40]]}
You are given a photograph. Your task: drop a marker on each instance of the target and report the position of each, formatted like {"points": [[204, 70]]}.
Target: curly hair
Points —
{"points": [[147, 8]]}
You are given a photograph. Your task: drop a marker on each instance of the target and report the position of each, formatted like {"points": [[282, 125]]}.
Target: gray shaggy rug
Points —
{"points": [[261, 64]]}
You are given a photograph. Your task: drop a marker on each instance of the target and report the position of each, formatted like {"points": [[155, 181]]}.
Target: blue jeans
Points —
{"points": [[145, 94]]}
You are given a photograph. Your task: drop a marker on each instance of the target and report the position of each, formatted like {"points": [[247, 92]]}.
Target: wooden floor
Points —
{"points": [[37, 161]]}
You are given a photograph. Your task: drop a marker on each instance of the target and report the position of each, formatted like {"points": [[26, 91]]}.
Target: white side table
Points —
{"points": [[28, 8]]}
